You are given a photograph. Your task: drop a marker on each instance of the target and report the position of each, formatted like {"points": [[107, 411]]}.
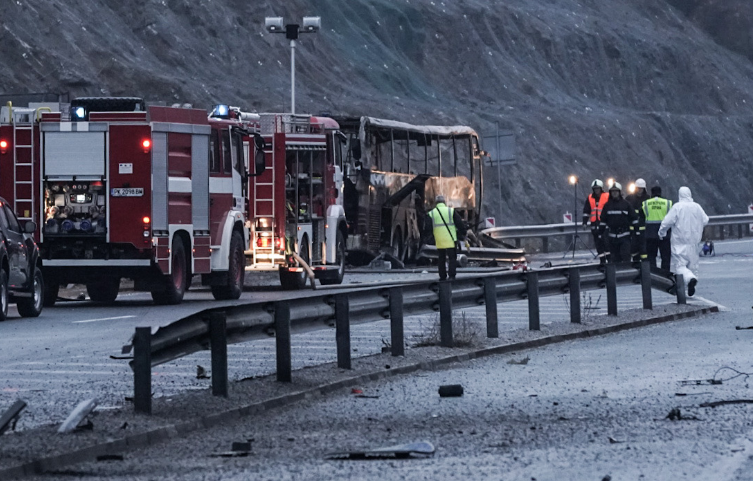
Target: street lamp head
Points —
{"points": [[274, 24], [610, 182], [631, 188], [311, 24], [573, 179]]}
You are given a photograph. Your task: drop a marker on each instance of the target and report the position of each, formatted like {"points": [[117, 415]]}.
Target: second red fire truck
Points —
{"points": [[161, 194]]}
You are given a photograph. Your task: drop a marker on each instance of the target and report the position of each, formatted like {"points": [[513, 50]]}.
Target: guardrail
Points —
{"points": [[215, 328], [552, 230]]}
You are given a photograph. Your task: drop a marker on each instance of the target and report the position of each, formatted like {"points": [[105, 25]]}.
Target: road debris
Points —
{"points": [[422, 449], [451, 390], [110, 457], [738, 328], [237, 450], [676, 415], [521, 362], [723, 403], [73, 421], [201, 373], [10, 417], [614, 441]]}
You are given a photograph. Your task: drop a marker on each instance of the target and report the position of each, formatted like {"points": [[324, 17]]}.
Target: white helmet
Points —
{"points": [[640, 183], [597, 183], [616, 186]]}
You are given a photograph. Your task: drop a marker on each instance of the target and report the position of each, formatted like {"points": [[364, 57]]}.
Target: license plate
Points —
{"points": [[128, 192]]}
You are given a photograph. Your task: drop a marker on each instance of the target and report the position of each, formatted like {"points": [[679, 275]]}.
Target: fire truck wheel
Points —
{"points": [[104, 291], [337, 277], [32, 306], [176, 284], [3, 295], [291, 281], [236, 271], [51, 290]]}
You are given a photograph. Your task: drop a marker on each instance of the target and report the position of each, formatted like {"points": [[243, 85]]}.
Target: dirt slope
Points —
{"points": [[623, 88]]}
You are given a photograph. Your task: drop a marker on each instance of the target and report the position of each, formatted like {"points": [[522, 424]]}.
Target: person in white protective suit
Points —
{"points": [[687, 220]]}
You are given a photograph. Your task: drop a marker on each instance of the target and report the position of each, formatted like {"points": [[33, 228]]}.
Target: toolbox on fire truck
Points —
{"points": [[119, 190]]}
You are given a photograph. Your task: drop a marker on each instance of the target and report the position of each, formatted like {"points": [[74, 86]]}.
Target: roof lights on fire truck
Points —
{"points": [[3, 146], [220, 111], [146, 144]]}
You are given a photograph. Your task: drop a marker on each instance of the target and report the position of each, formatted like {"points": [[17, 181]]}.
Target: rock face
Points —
{"points": [[597, 88]]}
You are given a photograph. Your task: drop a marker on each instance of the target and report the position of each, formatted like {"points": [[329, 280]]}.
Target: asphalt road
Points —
{"points": [[588, 409]]}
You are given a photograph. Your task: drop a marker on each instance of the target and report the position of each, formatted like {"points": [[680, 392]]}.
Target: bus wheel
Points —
{"points": [[175, 287], [236, 271], [336, 277]]}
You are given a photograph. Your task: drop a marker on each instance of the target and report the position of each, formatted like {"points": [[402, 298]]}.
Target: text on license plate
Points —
{"points": [[128, 192]]}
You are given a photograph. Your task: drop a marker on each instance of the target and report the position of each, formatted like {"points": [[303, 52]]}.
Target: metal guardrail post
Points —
{"points": [[397, 332], [142, 370], [545, 247], [445, 314], [680, 287], [534, 320], [218, 344], [490, 300], [611, 289], [282, 341], [739, 231], [342, 330], [646, 284], [574, 286]]}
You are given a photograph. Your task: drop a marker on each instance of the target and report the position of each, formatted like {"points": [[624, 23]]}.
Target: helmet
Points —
{"points": [[616, 186], [640, 183], [597, 183]]}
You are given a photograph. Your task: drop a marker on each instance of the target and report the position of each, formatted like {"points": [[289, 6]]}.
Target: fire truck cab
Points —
{"points": [[296, 214], [119, 190]]}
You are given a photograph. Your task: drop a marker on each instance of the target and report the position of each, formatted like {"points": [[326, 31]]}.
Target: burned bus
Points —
{"points": [[393, 172]]}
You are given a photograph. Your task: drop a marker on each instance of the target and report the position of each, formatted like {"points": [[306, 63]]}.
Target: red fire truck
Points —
{"points": [[296, 213], [118, 190]]}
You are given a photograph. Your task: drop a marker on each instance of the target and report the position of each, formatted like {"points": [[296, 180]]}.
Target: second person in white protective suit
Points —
{"points": [[687, 220]]}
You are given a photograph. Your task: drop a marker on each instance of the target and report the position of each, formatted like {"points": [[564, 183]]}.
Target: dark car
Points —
{"points": [[21, 268]]}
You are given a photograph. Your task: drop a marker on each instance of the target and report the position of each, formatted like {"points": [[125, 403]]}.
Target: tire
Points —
{"points": [[340, 260], [236, 271], [51, 290], [3, 295], [175, 286], [32, 306], [104, 291], [292, 281]]}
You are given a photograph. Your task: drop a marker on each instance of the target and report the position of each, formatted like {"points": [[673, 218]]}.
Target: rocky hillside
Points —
{"points": [[623, 88]]}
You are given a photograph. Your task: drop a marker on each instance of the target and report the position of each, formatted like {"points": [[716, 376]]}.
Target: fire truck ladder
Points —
{"points": [[23, 163], [268, 251]]}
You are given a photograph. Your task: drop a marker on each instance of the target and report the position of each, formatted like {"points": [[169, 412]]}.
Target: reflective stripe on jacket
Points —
{"points": [[445, 234], [596, 207]]}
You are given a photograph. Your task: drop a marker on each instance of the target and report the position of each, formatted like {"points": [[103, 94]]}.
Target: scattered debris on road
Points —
{"points": [[110, 457], [201, 373], [237, 450], [10, 417], [676, 415], [521, 362], [422, 449], [739, 328], [76, 417], [723, 403], [614, 441], [451, 390]]}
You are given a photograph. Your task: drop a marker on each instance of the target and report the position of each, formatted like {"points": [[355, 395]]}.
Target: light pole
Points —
{"points": [[574, 181], [291, 31]]}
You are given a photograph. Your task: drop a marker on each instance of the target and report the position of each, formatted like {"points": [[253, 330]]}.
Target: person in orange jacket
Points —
{"points": [[592, 211]]}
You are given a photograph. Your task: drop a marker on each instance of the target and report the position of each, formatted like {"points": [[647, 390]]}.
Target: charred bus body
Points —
{"points": [[393, 171]]}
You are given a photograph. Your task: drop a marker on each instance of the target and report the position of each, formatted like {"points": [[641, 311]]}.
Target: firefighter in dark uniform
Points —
{"points": [[636, 199], [447, 227], [621, 220], [655, 210], [592, 210]]}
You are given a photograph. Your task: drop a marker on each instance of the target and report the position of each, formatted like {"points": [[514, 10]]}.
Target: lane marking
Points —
{"points": [[102, 319]]}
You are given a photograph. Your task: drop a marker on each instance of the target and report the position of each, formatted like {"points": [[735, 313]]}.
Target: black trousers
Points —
{"points": [[664, 247], [451, 257], [601, 244], [619, 249], [638, 246]]}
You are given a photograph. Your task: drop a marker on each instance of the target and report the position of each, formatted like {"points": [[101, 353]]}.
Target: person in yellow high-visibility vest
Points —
{"points": [[655, 209], [447, 227]]}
